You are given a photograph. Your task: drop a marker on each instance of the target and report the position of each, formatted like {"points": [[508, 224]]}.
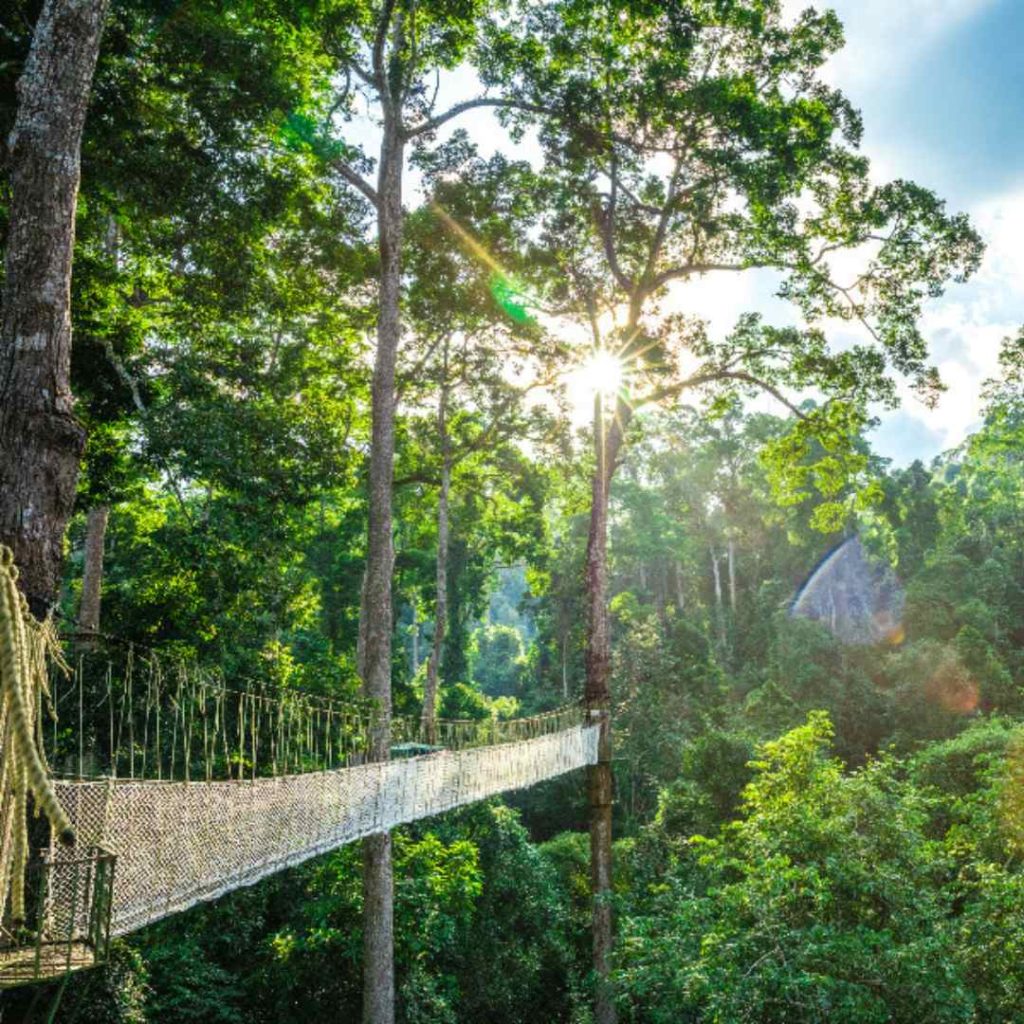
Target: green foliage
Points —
{"points": [[116, 993], [819, 903], [464, 701], [222, 314], [455, 879], [497, 658], [714, 772]]}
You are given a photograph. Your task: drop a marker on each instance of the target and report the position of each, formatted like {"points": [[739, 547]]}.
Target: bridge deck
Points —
{"points": [[179, 843]]}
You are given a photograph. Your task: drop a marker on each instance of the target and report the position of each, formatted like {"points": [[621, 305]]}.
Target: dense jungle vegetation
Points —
{"points": [[802, 825], [806, 829]]}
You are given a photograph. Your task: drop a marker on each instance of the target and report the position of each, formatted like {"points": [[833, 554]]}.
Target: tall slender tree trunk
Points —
{"points": [[732, 575], [92, 574], [415, 639], [375, 613], [716, 569], [430, 685], [41, 440], [565, 666], [607, 443]]}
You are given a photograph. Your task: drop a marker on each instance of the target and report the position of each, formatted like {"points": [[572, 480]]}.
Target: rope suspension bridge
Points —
{"points": [[174, 787]]}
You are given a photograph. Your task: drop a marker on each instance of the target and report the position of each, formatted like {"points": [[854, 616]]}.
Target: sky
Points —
{"points": [[940, 84]]}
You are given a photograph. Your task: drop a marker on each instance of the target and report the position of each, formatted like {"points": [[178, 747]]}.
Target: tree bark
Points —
{"points": [[92, 574], [430, 685], [716, 568], [732, 575], [375, 613], [415, 639], [565, 666], [607, 444], [680, 592], [41, 440]]}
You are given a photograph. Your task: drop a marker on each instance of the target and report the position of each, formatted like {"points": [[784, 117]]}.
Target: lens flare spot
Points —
{"points": [[510, 298], [952, 689]]}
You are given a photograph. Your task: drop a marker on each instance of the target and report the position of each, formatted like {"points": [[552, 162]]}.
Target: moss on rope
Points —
{"points": [[25, 646]]}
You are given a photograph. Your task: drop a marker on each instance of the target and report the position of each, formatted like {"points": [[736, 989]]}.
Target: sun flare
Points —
{"points": [[601, 373]]}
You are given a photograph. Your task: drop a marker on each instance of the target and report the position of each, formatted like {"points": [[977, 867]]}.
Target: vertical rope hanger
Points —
{"points": [[25, 648]]}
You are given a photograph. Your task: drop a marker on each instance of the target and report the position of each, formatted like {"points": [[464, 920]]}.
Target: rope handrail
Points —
{"points": [[180, 843], [140, 717], [195, 788]]}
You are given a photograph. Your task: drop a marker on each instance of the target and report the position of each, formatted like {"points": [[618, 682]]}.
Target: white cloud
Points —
{"points": [[966, 328], [884, 36], [1000, 219]]}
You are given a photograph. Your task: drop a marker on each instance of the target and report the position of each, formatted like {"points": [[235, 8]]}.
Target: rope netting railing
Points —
{"points": [[175, 787], [133, 713], [180, 843]]}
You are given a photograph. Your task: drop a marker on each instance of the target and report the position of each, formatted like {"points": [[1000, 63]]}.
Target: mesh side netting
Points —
{"points": [[179, 843]]}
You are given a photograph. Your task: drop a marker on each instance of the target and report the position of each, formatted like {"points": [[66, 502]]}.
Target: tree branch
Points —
{"points": [[132, 385], [606, 228], [380, 38], [714, 376], [664, 215], [419, 367], [697, 268], [431, 124], [354, 178]]}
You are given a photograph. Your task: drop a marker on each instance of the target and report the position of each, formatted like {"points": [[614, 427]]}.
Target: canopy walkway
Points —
{"points": [[179, 789], [178, 843]]}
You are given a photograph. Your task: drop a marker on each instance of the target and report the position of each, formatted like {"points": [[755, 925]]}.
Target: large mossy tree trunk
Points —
{"points": [[41, 440]]}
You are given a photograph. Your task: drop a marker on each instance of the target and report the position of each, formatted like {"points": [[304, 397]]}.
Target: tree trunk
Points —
{"points": [[716, 568], [415, 639], [92, 574], [430, 685], [375, 613], [565, 666], [41, 440], [732, 575], [607, 442]]}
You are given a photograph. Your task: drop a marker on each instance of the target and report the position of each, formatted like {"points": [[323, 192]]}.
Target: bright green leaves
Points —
{"points": [[819, 903], [480, 929], [824, 455], [301, 132], [683, 140], [794, 763]]}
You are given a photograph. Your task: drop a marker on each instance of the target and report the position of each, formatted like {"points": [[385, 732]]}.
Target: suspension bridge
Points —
{"points": [[179, 788]]}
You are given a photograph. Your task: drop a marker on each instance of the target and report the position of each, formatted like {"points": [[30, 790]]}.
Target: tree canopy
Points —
{"points": [[326, 281]]}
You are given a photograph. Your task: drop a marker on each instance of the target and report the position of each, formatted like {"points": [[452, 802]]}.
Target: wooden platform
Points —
{"points": [[24, 965]]}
